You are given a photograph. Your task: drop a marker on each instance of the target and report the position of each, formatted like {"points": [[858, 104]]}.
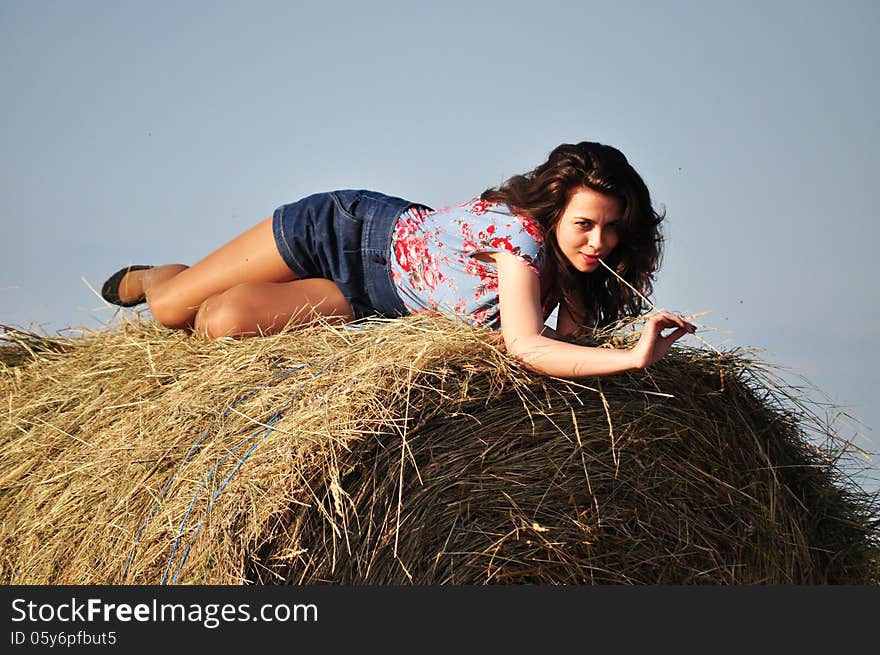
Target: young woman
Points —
{"points": [[578, 231]]}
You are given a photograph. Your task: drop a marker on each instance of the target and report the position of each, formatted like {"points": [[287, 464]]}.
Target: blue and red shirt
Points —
{"points": [[433, 264]]}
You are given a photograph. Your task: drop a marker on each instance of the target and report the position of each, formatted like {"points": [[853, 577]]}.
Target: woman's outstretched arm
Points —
{"points": [[522, 324]]}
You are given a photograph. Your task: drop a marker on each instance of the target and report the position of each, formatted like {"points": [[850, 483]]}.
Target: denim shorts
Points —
{"points": [[345, 236]]}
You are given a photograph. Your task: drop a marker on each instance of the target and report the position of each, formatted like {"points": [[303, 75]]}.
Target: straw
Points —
{"points": [[422, 455]]}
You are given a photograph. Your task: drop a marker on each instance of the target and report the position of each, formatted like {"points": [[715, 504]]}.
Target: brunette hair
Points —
{"points": [[598, 298]]}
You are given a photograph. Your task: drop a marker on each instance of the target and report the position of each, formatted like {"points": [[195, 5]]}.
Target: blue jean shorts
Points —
{"points": [[345, 236]]}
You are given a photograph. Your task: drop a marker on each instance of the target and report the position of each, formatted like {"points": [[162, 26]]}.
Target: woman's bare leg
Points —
{"points": [[256, 308], [175, 292]]}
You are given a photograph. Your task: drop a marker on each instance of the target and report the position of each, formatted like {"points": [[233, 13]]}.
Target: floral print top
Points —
{"points": [[433, 264]]}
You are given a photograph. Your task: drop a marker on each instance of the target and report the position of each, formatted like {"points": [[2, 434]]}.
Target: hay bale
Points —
{"points": [[411, 451]]}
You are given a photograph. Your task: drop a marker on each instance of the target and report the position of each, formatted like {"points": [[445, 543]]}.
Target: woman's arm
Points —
{"points": [[521, 327]]}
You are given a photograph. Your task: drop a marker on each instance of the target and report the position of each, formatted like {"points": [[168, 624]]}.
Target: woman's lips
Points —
{"points": [[590, 259]]}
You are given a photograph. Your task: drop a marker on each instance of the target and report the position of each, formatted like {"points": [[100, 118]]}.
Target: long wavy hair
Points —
{"points": [[595, 299]]}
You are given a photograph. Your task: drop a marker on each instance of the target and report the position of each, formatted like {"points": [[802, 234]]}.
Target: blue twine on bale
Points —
{"points": [[366, 326], [192, 450], [210, 474], [192, 503]]}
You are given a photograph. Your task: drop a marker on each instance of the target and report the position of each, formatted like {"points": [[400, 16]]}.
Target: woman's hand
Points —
{"points": [[652, 345]]}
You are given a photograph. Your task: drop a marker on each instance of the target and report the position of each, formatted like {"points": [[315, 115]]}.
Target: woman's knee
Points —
{"points": [[171, 312], [226, 314]]}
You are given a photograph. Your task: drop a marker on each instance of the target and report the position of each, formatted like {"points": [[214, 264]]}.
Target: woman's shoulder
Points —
{"points": [[471, 210], [478, 212], [491, 210]]}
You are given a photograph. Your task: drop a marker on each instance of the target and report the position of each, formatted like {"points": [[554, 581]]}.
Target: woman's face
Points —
{"points": [[587, 230]]}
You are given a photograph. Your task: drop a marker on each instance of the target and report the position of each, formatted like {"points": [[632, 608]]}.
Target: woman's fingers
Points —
{"points": [[668, 319], [675, 335], [652, 344]]}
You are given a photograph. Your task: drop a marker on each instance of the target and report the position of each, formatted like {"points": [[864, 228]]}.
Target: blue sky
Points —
{"points": [[155, 132]]}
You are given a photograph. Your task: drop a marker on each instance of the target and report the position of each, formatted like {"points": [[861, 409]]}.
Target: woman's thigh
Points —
{"points": [[266, 308], [250, 257]]}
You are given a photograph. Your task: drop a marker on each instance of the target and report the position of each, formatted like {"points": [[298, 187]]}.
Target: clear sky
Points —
{"points": [[153, 132]]}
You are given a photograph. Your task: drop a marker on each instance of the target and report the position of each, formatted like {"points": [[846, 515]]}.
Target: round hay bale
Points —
{"points": [[411, 451]]}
